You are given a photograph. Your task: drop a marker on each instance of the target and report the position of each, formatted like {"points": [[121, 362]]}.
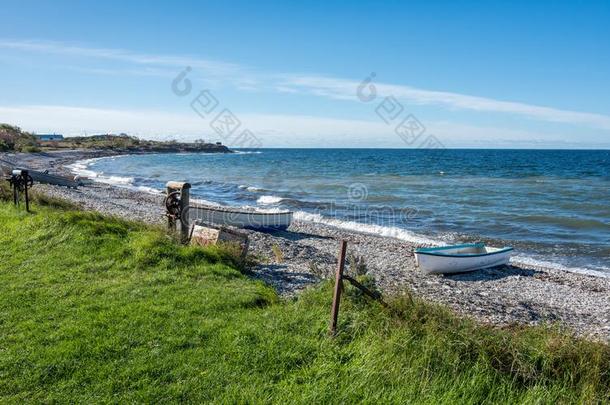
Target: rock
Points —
{"points": [[204, 235]]}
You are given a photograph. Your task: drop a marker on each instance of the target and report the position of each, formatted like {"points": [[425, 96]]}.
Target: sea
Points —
{"points": [[552, 206]]}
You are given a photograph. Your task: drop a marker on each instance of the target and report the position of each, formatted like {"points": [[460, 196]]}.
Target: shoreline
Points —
{"points": [[518, 293], [410, 236]]}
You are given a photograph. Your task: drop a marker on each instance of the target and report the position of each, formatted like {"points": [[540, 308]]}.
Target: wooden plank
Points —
{"points": [[334, 314]]}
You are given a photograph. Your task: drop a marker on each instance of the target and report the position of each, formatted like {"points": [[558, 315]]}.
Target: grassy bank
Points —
{"points": [[94, 309]]}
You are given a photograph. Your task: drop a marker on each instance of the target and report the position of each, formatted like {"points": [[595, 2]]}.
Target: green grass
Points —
{"points": [[94, 309]]}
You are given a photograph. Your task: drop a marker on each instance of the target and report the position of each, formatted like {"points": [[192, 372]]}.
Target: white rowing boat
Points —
{"points": [[241, 218], [460, 258]]}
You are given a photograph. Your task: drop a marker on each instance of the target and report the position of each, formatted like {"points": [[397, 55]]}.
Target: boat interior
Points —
{"points": [[470, 250], [474, 249]]}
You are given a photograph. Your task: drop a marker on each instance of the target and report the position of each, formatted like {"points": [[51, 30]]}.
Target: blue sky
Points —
{"points": [[474, 74]]}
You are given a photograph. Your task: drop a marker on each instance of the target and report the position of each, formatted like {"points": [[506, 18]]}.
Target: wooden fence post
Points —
{"points": [[338, 287]]}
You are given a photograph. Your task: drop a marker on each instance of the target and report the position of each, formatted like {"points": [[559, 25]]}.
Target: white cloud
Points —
{"points": [[209, 66], [345, 89], [273, 130], [335, 88]]}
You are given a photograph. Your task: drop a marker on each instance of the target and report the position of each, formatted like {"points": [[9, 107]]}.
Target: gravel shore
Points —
{"points": [[510, 294]]}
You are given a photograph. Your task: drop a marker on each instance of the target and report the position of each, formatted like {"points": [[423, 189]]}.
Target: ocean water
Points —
{"points": [[552, 206]]}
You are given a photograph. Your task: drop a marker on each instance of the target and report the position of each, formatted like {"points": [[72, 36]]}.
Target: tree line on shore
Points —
{"points": [[14, 139]]}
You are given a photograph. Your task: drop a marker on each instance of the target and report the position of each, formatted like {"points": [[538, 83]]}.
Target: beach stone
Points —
{"points": [[204, 235]]}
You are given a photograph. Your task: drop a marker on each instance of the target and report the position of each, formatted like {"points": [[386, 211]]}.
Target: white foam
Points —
{"points": [[149, 190], [205, 202], [250, 188], [530, 261], [82, 171], [269, 199], [115, 180], [246, 152], [268, 210], [81, 168], [402, 234], [387, 231]]}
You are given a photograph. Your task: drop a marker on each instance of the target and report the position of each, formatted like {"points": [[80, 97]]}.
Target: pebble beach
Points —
{"points": [[515, 294]]}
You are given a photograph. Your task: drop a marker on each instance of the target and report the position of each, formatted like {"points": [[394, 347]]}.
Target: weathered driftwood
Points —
{"points": [[207, 234], [7, 167], [53, 179]]}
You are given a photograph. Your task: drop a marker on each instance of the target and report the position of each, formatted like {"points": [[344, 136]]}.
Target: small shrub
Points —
{"points": [[357, 295], [30, 149], [277, 252], [316, 270], [229, 253], [357, 265], [6, 194], [54, 202]]}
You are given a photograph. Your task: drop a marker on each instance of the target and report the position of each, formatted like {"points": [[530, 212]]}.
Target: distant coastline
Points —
{"points": [[14, 139], [127, 144]]}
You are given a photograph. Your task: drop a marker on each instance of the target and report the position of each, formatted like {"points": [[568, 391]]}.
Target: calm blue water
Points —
{"points": [[552, 206]]}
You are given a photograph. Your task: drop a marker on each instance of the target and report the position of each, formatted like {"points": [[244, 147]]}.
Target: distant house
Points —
{"points": [[49, 137]]}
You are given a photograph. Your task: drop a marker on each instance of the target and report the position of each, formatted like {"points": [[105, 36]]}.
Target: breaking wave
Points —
{"points": [[269, 199]]}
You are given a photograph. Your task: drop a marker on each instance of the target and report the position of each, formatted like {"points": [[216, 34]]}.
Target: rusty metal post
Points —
{"points": [[25, 175], [171, 221], [15, 175], [334, 314], [185, 201], [15, 191]]}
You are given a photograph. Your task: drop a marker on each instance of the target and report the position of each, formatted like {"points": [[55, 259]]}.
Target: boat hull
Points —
{"points": [[451, 260], [241, 219]]}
